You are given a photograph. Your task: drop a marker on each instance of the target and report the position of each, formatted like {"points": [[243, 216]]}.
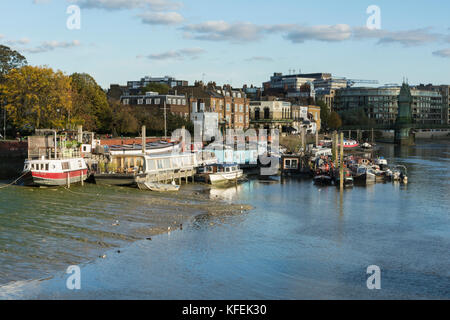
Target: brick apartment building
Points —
{"points": [[231, 104], [152, 101]]}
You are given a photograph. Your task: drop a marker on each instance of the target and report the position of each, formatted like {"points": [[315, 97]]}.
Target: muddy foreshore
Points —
{"points": [[44, 230]]}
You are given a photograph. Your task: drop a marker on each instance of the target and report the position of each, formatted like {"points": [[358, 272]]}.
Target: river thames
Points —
{"points": [[299, 241]]}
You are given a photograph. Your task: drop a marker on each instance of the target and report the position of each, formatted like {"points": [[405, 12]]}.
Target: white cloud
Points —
{"points": [[52, 45], [329, 33], [176, 54], [259, 58], [444, 53], [244, 31], [156, 5], [223, 31], [407, 38], [16, 42], [162, 18]]}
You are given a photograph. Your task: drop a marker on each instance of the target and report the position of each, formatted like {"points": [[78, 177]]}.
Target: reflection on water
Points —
{"points": [[300, 241], [225, 193]]}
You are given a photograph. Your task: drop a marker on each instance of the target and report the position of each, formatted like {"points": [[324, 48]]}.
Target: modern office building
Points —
{"points": [[132, 88], [293, 81], [444, 90], [381, 104], [167, 80]]}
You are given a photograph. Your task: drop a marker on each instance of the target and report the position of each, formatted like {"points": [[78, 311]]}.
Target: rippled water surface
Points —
{"points": [[299, 241]]}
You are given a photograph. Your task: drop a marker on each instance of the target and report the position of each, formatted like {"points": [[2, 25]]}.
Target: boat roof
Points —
{"points": [[150, 145], [223, 165]]}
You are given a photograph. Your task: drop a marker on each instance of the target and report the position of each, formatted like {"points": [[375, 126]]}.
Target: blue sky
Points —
{"points": [[233, 41]]}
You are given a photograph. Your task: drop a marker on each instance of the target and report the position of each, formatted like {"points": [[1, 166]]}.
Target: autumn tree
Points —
{"points": [[10, 59], [37, 97], [90, 104]]}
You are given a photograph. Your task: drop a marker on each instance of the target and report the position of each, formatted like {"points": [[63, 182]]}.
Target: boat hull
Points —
{"points": [[365, 178], [116, 179], [35, 178], [160, 187], [323, 180], [221, 178]]}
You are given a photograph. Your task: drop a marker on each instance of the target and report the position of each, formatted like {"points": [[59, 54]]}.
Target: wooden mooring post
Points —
{"points": [[336, 149]]}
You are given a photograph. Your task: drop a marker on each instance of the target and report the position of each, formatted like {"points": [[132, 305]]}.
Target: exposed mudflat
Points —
{"points": [[43, 230]]}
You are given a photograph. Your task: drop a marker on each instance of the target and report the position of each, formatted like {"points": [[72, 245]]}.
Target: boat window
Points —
{"points": [[287, 163], [294, 163], [151, 165], [227, 169], [176, 162], [167, 163], [160, 164], [186, 161], [46, 167], [290, 163], [80, 164], [42, 167], [65, 165]]}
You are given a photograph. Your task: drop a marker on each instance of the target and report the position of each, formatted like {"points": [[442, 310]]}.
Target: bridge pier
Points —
{"points": [[404, 137]]}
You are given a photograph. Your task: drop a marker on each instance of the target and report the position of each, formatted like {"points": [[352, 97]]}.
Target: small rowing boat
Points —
{"points": [[160, 187]]}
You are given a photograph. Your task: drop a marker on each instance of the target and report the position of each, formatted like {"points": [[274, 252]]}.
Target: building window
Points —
{"points": [[148, 101], [126, 101], [266, 113], [228, 107], [169, 101], [140, 101], [240, 119], [183, 102], [241, 108], [178, 101], [157, 101]]}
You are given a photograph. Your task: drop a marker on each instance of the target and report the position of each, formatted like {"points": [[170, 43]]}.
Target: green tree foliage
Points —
{"points": [[154, 122], [10, 59], [161, 88], [324, 114], [356, 117], [37, 97], [124, 120], [90, 104], [334, 121]]}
